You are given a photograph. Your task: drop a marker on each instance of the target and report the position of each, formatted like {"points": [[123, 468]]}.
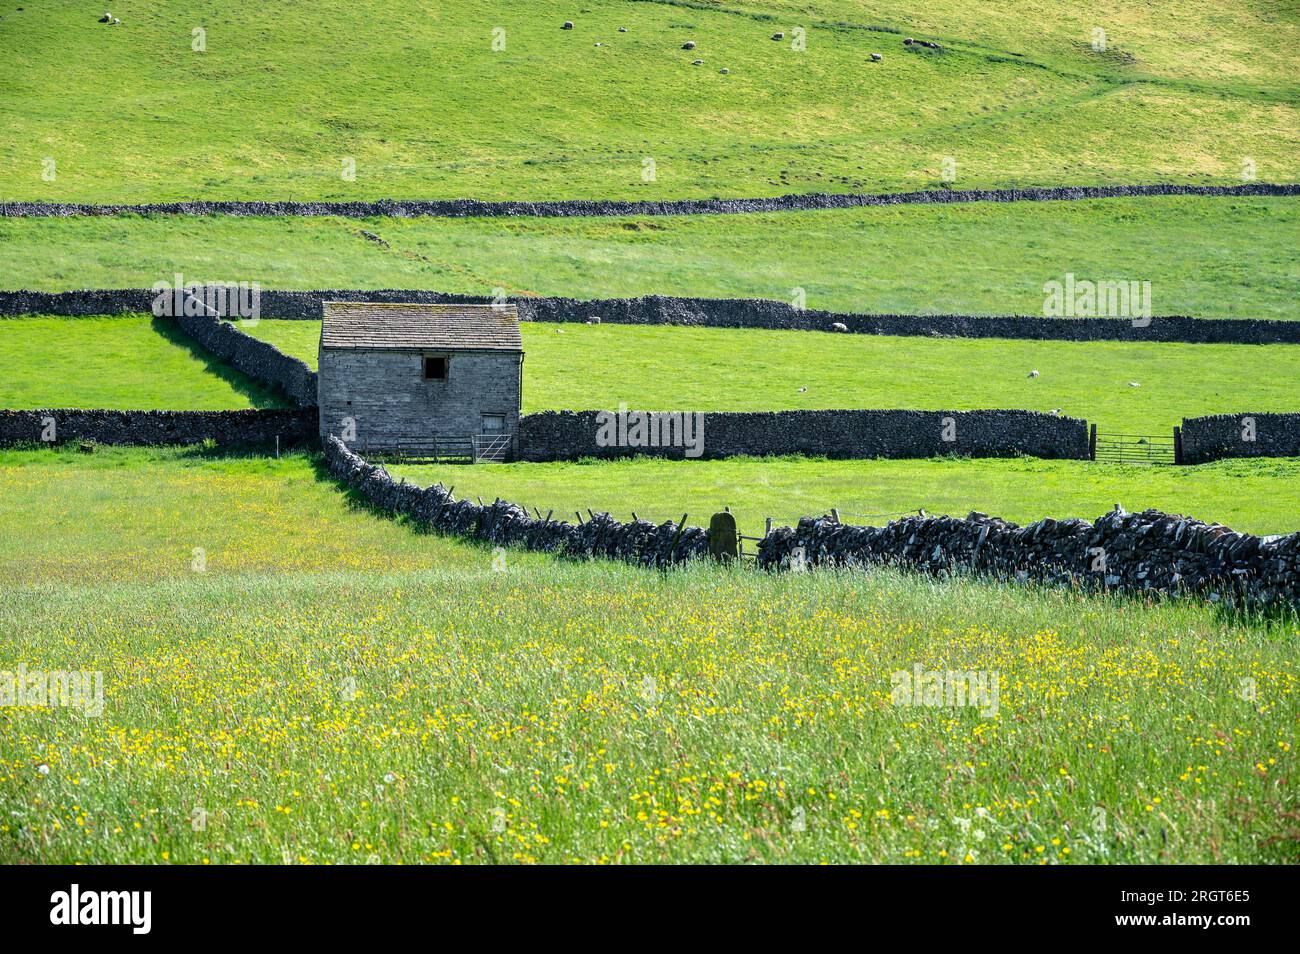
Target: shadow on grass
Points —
{"points": [[258, 395], [357, 501]]}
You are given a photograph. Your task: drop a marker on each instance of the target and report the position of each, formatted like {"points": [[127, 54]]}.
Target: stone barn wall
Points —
{"points": [[569, 435], [384, 393]]}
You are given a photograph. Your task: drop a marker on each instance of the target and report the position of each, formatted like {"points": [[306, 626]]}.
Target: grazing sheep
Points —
{"points": [[801, 390], [106, 18], [839, 326], [724, 71], [622, 29], [1034, 373], [778, 36], [568, 25], [1134, 384], [876, 57], [697, 62], [688, 45]]}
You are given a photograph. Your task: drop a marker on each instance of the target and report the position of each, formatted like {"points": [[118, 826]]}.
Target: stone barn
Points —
{"points": [[440, 379]]}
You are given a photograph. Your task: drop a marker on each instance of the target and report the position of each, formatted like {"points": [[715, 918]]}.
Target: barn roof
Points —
{"points": [[397, 326]]}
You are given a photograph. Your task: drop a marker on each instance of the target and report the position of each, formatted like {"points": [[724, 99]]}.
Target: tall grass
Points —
{"points": [[549, 711]]}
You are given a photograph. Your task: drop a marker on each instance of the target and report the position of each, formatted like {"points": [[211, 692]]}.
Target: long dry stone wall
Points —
{"points": [[1240, 435], [507, 524], [765, 313], [1143, 552], [570, 435], [461, 208], [709, 313], [1149, 552], [145, 428]]}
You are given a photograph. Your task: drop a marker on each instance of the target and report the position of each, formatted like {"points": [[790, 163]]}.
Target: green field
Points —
{"points": [[124, 362], [1208, 257], [1254, 496], [149, 509], [578, 366], [420, 101], [337, 688], [320, 683], [127, 362]]}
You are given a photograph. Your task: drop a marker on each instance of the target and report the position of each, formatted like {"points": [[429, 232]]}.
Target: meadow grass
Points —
{"points": [[402, 709], [423, 105], [1208, 257], [130, 514], [120, 362], [577, 366], [1258, 496]]}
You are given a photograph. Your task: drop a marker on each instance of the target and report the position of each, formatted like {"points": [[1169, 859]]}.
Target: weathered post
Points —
{"points": [[723, 542]]}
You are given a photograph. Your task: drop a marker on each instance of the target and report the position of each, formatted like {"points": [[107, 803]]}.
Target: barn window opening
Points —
{"points": [[494, 423], [435, 368]]}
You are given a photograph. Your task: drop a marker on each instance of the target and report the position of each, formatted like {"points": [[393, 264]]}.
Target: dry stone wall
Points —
{"points": [[709, 313], [507, 524], [1148, 552], [258, 359], [294, 428], [570, 435], [460, 208], [1240, 435]]}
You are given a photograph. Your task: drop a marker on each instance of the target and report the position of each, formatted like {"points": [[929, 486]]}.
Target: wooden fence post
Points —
{"points": [[1092, 442]]}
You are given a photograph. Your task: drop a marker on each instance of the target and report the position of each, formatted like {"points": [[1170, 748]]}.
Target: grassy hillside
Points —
{"points": [[123, 362], [1254, 496], [576, 366], [417, 97], [1209, 257], [421, 707]]}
